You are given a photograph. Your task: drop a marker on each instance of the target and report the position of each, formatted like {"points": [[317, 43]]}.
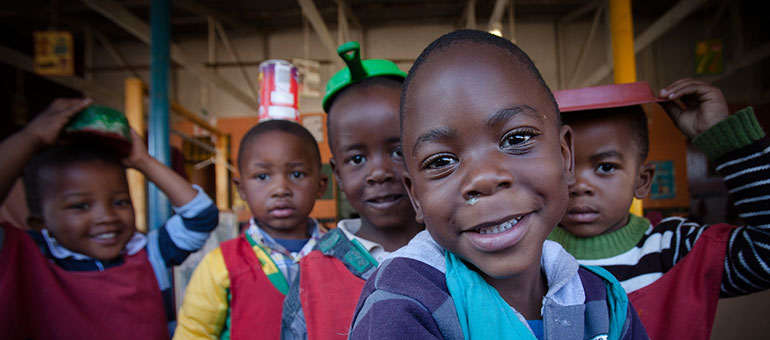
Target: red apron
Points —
{"points": [[255, 306], [40, 300], [682, 303], [329, 294]]}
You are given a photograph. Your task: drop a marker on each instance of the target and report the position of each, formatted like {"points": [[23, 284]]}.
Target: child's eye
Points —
{"points": [[516, 138], [356, 160], [123, 202], [262, 177], [396, 153], [439, 162], [79, 206], [606, 168], [298, 174]]}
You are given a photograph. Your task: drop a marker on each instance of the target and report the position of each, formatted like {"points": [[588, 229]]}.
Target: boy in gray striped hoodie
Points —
{"points": [[674, 272]]}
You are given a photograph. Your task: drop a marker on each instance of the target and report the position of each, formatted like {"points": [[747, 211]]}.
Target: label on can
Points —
{"points": [[278, 91]]}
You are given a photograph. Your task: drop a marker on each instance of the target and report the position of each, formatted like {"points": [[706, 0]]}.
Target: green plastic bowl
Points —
{"points": [[103, 126]]}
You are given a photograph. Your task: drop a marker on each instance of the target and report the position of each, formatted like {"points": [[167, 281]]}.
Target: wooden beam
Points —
{"points": [[668, 20], [469, 15], [23, 62], [137, 185], [182, 111], [497, 14], [716, 18], [343, 33], [204, 11], [511, 19], [123, 18], [311, 12], [88, 53], [115, 54], [581, 11], [234, 54], [221, 176], [349, 13], [584, 49]]}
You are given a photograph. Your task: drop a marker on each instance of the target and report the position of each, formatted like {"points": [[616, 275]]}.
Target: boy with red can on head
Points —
{"points": [[238, 289]]}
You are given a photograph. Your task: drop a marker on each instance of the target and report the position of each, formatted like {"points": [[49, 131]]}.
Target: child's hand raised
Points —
{"points": [[47, 126], [704, 105], [176, 188], [138, 155]]}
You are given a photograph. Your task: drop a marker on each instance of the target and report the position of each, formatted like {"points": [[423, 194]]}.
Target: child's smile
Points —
{"points": [[489, 165], [496, 236]]}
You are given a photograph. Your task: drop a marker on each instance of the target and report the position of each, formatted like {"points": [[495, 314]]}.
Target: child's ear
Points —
{"points": [[418, 216], [35, 222], [239, 186], [644, 180], [568, 153], [323, 181]]}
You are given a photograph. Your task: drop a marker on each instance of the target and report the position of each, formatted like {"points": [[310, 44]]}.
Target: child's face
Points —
{"points": [[280, 181], [488, 166], [367, 159], [87, 208], [608, 175]]}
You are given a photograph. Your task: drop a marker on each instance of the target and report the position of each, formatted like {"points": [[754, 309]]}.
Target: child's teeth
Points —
{"points": [[105, 236], [500, 227]]}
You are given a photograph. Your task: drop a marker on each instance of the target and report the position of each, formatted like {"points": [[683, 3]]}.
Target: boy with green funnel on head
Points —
{"points": [[362, 103]]}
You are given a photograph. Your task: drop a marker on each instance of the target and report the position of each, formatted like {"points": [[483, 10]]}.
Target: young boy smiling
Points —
{"points": [[237, 290], [489, 165], [362, 105], [674, 272], [85, 272]]}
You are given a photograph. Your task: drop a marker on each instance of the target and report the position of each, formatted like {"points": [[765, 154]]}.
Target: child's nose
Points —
{"points": [[281, 188], [378, 172], [581, 187], [486, 179], [105, 213]]}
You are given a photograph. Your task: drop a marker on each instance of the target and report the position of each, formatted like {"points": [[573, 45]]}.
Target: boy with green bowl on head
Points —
{"points": [[85, 272]]}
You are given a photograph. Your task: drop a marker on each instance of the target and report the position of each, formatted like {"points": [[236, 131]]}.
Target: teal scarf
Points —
{"points": [[484, 314], [482, 311]]}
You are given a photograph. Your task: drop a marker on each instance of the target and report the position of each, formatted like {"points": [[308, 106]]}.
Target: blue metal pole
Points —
{"points": [[160, 42]]}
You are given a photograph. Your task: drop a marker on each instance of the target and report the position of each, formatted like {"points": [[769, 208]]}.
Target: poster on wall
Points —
{"points": [[309, 77], [708, 57], [54, 55], [663, 183]]}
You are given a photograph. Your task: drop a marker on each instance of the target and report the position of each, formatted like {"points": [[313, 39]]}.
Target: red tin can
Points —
{"points": [[278, 91]]}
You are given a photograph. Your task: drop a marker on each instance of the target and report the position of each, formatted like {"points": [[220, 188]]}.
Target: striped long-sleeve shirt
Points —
{"points": [[640, 253]]}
